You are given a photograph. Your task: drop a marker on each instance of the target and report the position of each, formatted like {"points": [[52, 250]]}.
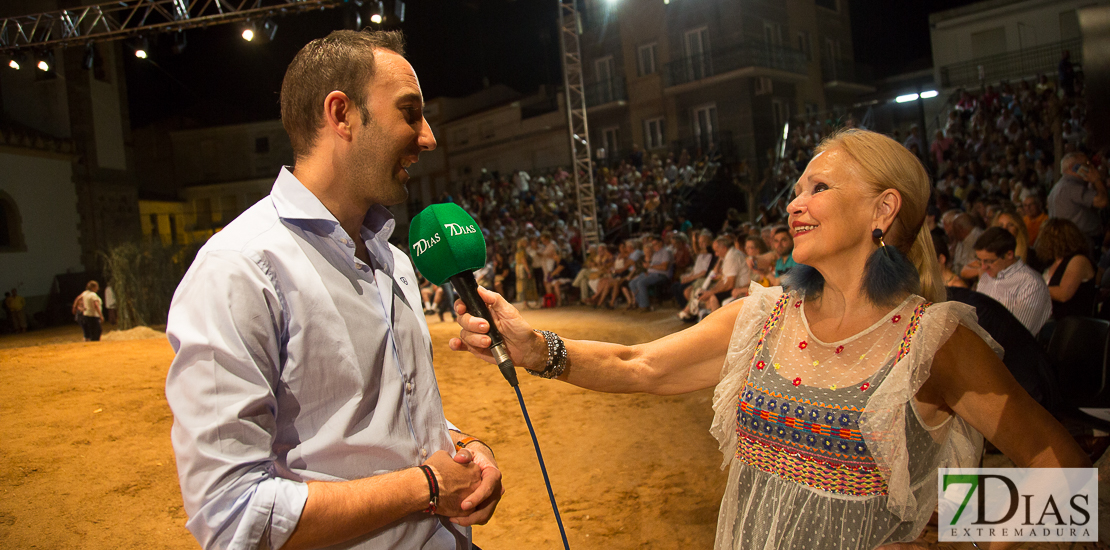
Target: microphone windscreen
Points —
{"points": [[445, 241]]}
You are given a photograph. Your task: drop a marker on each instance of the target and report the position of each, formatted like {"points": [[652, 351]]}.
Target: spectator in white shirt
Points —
{"points": [[1009, 281]]}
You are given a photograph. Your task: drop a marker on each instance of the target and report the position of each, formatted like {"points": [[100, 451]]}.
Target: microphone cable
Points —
{"points": [[543, 469]]}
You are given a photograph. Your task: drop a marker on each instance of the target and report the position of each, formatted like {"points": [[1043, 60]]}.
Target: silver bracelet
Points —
{"points": [[556, 356]]}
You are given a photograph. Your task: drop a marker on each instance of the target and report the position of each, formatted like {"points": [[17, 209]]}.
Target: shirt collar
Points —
{"points": [[1014, 268], [293, 201]]}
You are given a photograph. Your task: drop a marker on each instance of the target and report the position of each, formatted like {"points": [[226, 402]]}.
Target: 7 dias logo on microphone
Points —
{"points": [[422, 245], [459, 229], [1018, 504]]}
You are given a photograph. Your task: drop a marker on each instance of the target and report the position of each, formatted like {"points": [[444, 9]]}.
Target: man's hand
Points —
{"points": [[483, 501], [456, 481]]}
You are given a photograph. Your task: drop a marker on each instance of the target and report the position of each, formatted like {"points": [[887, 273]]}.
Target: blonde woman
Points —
{"points": [[525, 284], [910, 381], [1014, 225]]}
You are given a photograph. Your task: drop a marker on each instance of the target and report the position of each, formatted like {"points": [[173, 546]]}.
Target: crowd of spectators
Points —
{"points": [[1011, 156]]}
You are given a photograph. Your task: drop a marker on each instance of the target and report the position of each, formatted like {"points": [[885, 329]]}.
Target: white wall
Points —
{"points": [[1026, 24], [44, 193]]}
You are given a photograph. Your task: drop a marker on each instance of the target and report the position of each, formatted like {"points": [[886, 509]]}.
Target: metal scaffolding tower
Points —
{"points": [[126, 18], [577, 127]]}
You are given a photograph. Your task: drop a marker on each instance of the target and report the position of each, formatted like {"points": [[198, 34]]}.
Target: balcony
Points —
{"points": [[744, 60], [1010, 65], [719, 146], [845, 75], [605, 92]]}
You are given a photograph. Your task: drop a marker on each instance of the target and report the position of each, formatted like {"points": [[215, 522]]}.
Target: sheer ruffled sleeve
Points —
{"points": [[745, 333], [884, 422]]}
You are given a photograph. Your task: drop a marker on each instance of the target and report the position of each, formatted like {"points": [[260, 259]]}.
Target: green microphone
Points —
{"points": [[446, 245]]}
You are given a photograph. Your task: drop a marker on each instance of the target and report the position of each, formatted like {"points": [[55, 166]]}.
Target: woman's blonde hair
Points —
{"points": [[1021, 236], [886, 164]]}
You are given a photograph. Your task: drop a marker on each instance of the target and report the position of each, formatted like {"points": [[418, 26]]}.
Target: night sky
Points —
{"points": [[453, 45]]}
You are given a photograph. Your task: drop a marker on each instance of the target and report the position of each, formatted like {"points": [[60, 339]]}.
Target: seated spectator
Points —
{"points": [[962, 234], [1034, 217], [1070, 275], [1009, 281], [658, 270], [1009, 220], [784, 254], [940, 246], [697, 272], [731, 267], [757, 254]]}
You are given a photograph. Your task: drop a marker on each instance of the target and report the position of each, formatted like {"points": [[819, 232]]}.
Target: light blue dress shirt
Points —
{"points": [[296, 362]]}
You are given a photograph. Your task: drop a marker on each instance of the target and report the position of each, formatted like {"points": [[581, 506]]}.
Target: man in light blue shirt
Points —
{"points": [[305, 404]]}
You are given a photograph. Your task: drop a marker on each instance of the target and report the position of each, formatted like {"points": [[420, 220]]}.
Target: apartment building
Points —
{"points": [[725, 75]]}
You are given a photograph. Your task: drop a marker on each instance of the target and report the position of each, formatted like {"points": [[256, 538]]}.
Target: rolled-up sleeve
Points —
{"points": [[226, 327]]}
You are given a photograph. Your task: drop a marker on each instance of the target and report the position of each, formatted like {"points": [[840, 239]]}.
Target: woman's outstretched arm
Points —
{"points": [[682, 362]]}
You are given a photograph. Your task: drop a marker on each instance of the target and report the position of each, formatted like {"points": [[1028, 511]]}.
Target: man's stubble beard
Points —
{"points": [[370, 168]]}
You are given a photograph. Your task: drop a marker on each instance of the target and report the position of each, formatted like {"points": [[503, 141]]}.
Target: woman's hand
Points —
{"points": [[527, 348]]}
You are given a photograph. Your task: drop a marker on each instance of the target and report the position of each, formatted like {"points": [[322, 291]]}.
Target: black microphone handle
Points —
{"points": [[467, 289]]}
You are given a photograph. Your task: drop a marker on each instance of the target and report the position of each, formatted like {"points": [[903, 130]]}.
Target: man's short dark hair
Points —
{"points": [[997, 241], [343, 61], [780, 229]]}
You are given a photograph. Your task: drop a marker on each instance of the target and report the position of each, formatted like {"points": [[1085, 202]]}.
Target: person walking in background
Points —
{"points": [[91, 312], [15, 304]]}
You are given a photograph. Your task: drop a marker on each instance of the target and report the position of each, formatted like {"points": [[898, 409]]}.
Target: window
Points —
{"points": [[697, 54], [832, 49], [11, 226], [610, 143], [780, 112], [988, 42], [1069, 25], [705, 126], [647, 59], [155, 231], [653, 133], [772, 33], [603, 69], [804, 45], [261, 145]]}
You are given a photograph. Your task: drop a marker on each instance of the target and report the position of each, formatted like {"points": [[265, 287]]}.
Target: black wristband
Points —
{"points": [[433, 489]]}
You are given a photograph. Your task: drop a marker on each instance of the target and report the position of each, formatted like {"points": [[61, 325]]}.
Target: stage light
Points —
{"points": [[905, 98], [376, 19], [14, 64], [248, 34], [140, 46], [260, 33], [929, 94], [45, 61]]}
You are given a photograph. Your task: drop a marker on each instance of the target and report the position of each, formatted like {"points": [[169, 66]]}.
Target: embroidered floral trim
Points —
{"points": [[802, 345], [839, 349], [895, 319], [865, 386], [797, 381], [760, 365]]}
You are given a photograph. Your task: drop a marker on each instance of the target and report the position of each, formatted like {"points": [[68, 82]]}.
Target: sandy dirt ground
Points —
{"points": [[86, 462]]}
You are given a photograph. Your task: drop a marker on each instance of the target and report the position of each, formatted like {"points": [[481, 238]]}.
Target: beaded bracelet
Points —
{"points": [[433, 489], [556, 356]]}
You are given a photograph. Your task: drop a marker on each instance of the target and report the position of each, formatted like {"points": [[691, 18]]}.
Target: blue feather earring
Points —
{"points": [[888, 273]]}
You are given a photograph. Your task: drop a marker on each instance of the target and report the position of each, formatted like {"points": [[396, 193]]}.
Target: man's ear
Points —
{"points": [[886, 209], [339, 112]]}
